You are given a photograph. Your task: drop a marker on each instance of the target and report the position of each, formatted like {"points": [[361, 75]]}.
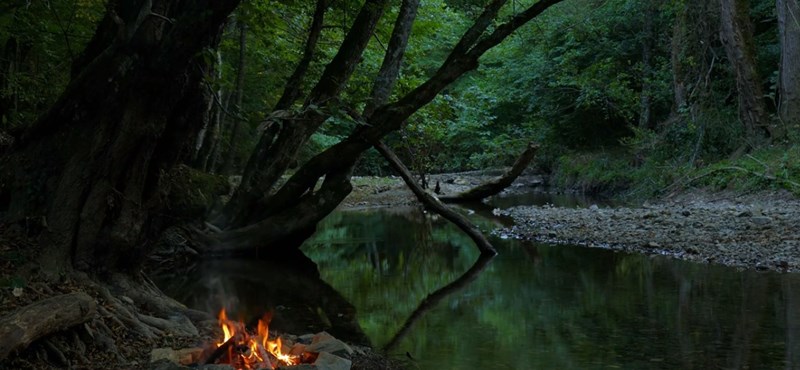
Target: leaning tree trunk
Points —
{"points": [[310, 203], [789, 71], [736, 33], [238, 95], [272, 158], [92, 165]]}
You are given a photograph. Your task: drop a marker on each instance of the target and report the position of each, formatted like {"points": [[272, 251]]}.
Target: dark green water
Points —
{"points": [[550, 307]]}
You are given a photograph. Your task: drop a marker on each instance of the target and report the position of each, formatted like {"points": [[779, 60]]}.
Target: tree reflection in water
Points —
{"points": [[539, 306]]}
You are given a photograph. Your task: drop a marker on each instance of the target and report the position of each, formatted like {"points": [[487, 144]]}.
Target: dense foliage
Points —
{"points": [[595, 81]]}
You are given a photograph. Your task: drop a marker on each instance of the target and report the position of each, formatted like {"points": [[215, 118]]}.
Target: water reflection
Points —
{"points": [[300, 302], [538, 306]]}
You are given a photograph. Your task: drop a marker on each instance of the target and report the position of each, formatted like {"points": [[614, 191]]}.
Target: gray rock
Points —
{"points": [[760, 220], [166, 365], [216, 367], [167, 354], [324, 342], [327, 361]]}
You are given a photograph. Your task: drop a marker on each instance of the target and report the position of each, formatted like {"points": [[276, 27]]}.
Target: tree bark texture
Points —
{"points": [[238, 94], [27, 324], [393, 60], [789, 71], [736, 33], [291, 91], [92, 165]]}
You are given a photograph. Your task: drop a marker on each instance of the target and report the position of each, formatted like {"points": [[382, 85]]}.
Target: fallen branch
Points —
{"points": [[498, 184], [27, 324], [434, 204]]}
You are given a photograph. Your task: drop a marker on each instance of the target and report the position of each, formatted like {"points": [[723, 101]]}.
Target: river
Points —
{"points": [[416, 286]]}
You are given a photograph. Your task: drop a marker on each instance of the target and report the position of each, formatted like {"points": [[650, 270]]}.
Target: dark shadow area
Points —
{"points": [[301, 303]]}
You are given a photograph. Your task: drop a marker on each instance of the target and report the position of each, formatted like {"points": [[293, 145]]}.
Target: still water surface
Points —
{"points": [[415, 284], [545, 307]]}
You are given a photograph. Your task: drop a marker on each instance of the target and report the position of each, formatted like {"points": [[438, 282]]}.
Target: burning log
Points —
{"points": [[22, 327], [219, 352], [246, 350]]}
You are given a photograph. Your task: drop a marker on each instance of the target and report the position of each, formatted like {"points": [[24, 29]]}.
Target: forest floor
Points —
{"points": [[84, 346], [754, 230]]}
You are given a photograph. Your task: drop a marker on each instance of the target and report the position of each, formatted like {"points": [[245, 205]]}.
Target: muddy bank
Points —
{"points": [[757, 231]]}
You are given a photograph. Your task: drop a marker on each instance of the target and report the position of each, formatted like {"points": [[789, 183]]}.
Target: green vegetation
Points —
{"points": [[627, 97]]}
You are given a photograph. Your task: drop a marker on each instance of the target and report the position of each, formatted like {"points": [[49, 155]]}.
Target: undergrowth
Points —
{"points": [[624, 175]]}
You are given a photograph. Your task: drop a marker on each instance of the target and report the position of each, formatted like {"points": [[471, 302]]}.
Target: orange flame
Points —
{"points": [[260, 351]]}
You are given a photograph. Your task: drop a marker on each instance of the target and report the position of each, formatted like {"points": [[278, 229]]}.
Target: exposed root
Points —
{"points": [[125, 310], [55, 352]]}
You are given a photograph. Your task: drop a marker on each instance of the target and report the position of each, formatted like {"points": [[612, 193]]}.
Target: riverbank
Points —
{"points": [[758, 231], [755, 231]]}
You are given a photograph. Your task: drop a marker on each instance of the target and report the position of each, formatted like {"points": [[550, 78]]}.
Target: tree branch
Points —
{"points": [[434, 204], [497, 185]]}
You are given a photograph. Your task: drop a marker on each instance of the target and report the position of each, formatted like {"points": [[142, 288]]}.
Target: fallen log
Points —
{"points": [[27, 324], [497, 184], [432, 203]]}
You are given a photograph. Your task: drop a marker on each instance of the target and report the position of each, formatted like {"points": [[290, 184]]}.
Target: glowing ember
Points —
{"points": [[247, 351]]}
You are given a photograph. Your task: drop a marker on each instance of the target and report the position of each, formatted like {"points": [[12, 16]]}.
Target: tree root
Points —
{"points": [[64, 326], [20, 328]]}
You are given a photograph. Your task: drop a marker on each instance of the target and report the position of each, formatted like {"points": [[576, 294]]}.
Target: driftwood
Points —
{"points": [[27, 324], [434, 204], [496, 185]]}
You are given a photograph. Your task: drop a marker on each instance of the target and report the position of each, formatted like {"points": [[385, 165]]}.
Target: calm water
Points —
{"points": [[413, 283], [545, 307]]}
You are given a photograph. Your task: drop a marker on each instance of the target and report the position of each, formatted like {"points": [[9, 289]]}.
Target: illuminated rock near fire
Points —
{"points": [[324, 342], [184, 356], [327, 361]]}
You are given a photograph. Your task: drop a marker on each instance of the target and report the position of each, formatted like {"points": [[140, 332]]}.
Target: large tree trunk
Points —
{"points": [[789, 71], [736, 33], [648, 44], [238, 95], [273, 157], [209, 135], [92, 165], [300, 194]]}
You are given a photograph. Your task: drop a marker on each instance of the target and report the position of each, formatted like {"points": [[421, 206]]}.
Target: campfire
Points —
{"points": [[251, 351], [252, 347]]}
